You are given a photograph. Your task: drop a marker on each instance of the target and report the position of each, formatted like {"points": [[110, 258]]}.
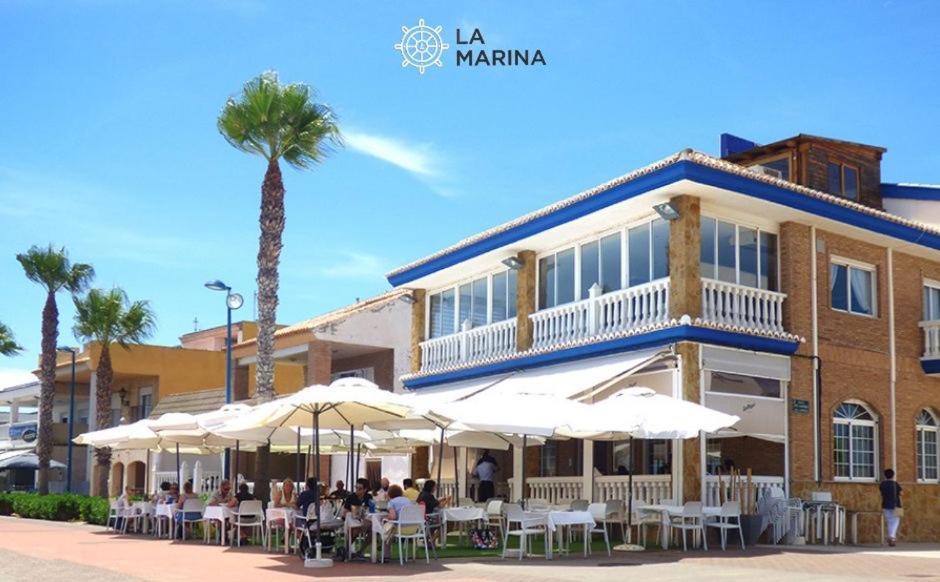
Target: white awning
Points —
{"points": [[746, 363], [762, 418], [577, 379]]}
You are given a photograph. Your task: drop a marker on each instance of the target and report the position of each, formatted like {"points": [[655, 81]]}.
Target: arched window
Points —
{"points": [[854, 440], [927, 455]]}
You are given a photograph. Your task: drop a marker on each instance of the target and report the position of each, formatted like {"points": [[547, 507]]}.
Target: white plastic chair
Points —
{"points": [[599, 511], [529, 525], [691, 519], [580, 505], [615, 514], [494, 515], [730, 510], [190, 506], [642, 520], [537, 504], [409, 527], [249, 515], [114, 516]]}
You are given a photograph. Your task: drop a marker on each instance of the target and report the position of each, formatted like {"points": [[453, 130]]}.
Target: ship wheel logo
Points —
{"points": [[421, 46]]}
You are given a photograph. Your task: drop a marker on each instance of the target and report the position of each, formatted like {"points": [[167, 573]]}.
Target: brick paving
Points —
{"points": [[55, 551]]}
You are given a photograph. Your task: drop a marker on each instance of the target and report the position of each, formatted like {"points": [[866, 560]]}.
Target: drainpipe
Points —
{"points": [[817, 380], [892, 348]]}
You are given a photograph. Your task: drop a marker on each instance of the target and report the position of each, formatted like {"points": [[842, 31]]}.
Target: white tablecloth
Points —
{"points": [[286, 514], [459, 515], [219, 513], [560, 518], [164, 510]]}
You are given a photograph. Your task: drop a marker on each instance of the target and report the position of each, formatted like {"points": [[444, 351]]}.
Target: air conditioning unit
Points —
{"points": [[764, 170]]}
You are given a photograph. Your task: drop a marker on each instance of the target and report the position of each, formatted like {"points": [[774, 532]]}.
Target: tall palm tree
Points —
{"points": [[8, 345], [276, 122], [108, 317], [51, 268]]}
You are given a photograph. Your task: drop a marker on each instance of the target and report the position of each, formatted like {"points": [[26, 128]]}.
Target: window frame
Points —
{"points": [[853, 264], [930, 285], [455, 287], [737, 250], [919, 444], [876, 451], [623, 230], [707, 386], [858, 179], [768, 160]]}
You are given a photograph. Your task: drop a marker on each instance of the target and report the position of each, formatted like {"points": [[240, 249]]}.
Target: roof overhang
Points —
{"points": [[695, 174]]}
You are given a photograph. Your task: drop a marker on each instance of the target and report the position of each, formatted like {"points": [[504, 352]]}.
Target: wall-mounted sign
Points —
{"points": [[799, 406], [25, 431]]}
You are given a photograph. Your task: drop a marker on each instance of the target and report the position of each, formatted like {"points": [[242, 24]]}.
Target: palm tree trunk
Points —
{"points": [[269, 257], [50, 336], [105, 375]]}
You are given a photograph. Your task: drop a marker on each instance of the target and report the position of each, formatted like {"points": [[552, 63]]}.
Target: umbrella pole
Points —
{"points": [[179, 480], [456, 480], [352, 442], [316, 460], [147, 476], [234, 476], [358, 460], [297, 467], [440, 458], [522, 477], [630, 492]]}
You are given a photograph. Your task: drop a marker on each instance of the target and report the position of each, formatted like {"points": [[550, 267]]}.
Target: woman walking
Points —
{"points": [[891, 504]]}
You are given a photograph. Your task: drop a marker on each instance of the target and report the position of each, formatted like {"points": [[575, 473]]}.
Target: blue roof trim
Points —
{"points": [[652, 339], [909, 192], [683, 169], [931, 366]]}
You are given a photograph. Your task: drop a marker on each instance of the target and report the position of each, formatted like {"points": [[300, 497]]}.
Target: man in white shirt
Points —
{"points": [[485, 471]]}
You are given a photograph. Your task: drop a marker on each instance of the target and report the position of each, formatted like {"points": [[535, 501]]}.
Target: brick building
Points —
{"points": [[783, 283]]}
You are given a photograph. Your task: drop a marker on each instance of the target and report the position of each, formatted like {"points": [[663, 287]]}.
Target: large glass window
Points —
{"points": [[729, 383], [472, 301], [547, 282], [853, 442], [504, 295], [852, 288], [842, 180], [927, 452], [600, 263], [931, 303], [638, 241], [738, 254], [556, 279]]}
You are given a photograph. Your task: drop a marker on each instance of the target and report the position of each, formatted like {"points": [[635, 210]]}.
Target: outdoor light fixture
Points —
{"points": [[233, 301], [217, 286], [667, 211], [513, 263], [409, 299]]}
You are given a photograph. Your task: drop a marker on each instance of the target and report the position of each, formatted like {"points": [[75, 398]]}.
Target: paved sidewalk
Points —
{"points": [[31, 549]]}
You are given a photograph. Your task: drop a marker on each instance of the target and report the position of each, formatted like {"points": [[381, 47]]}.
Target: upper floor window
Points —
{"points": [[481, 301], [927, 451], [931, 302], [843, 180], [738, 254], [621, 259], [852, 287], [853, 442], [781, 164]]}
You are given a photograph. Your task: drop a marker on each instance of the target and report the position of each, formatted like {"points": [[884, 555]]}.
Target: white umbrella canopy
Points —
{"points": [[642, 413], [454, 438], [518, 414]]}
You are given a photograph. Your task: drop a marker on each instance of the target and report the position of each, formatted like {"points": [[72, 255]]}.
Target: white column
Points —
{"points": [[14, 412], [463, 474], [517, 453], [587, 470]]}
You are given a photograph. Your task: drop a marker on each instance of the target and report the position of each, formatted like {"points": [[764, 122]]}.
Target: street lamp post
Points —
{"points": [[68, 463], [233, 301]]}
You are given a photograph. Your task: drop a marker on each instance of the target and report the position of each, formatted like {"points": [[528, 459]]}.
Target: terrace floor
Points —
{"points": [[31, 549]]}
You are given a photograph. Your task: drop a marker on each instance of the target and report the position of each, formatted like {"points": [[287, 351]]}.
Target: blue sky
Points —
{"points": [[108, 142]]}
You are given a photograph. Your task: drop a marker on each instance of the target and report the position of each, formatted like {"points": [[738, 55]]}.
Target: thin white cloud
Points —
{"points": [[417, 159], [12, 377], [355, 265]]}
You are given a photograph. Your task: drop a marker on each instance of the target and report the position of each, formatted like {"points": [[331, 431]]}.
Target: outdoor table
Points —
{"points": [[666, 510], [145, 510], [167, 510], [219, 513], [557, 519], [285, 513], [459, 515]]}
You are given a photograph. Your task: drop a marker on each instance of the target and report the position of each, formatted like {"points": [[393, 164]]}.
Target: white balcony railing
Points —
{"points": [[931, 338], [600, 314], [470, 345], [559, 490], [742, 306], [763, 483]]}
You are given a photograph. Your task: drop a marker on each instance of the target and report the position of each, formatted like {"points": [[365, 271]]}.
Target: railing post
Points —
{"points": [[593, 317], [463, 352]]}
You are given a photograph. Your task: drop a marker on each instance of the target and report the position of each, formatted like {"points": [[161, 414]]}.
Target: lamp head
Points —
{"points": [[667, 211], [217, 285], [513, 263]]}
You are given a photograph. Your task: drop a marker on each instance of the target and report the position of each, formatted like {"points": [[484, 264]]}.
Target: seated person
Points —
{"points": [[305, 499], [222, 496], [409, 490], [359, 501], [243, 494], [162, 493], [173, 494], [427, 498], [124, 501], [181, 502], [285, 495], [340, 491], [381, 494], [396, 502]]}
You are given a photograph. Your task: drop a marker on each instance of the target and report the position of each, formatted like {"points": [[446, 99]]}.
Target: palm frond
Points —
{"points": [[279, 122], [107, 316], [8, 345], [51, 268]]}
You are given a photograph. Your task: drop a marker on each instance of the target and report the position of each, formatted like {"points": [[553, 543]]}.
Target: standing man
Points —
{"points": [[891, 504], [485, 471]]}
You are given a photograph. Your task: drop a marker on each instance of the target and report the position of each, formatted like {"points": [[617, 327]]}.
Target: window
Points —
{"points": [[548, 459], [481, 301], [728, 383], [852, 287], [782, 165], [738, 254], [927, 452], [843, 180], [556, 279], [146, 404], [600, 264], [931, 302], [648, 255], [853, 442]]}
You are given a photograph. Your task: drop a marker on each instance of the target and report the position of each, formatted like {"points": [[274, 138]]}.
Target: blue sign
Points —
{"points": [[24, 431]]}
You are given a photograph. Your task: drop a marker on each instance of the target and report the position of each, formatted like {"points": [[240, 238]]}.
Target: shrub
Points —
{"points": [[55, 507]]}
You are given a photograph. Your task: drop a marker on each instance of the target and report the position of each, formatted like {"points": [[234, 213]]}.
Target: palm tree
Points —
{"points": [[8, 345], [106, 317], [51, 268], [276, 122]]}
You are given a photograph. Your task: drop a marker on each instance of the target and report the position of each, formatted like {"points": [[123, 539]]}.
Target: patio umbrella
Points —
{"points": [[24, 459], [348, 402], [642, 413]]}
